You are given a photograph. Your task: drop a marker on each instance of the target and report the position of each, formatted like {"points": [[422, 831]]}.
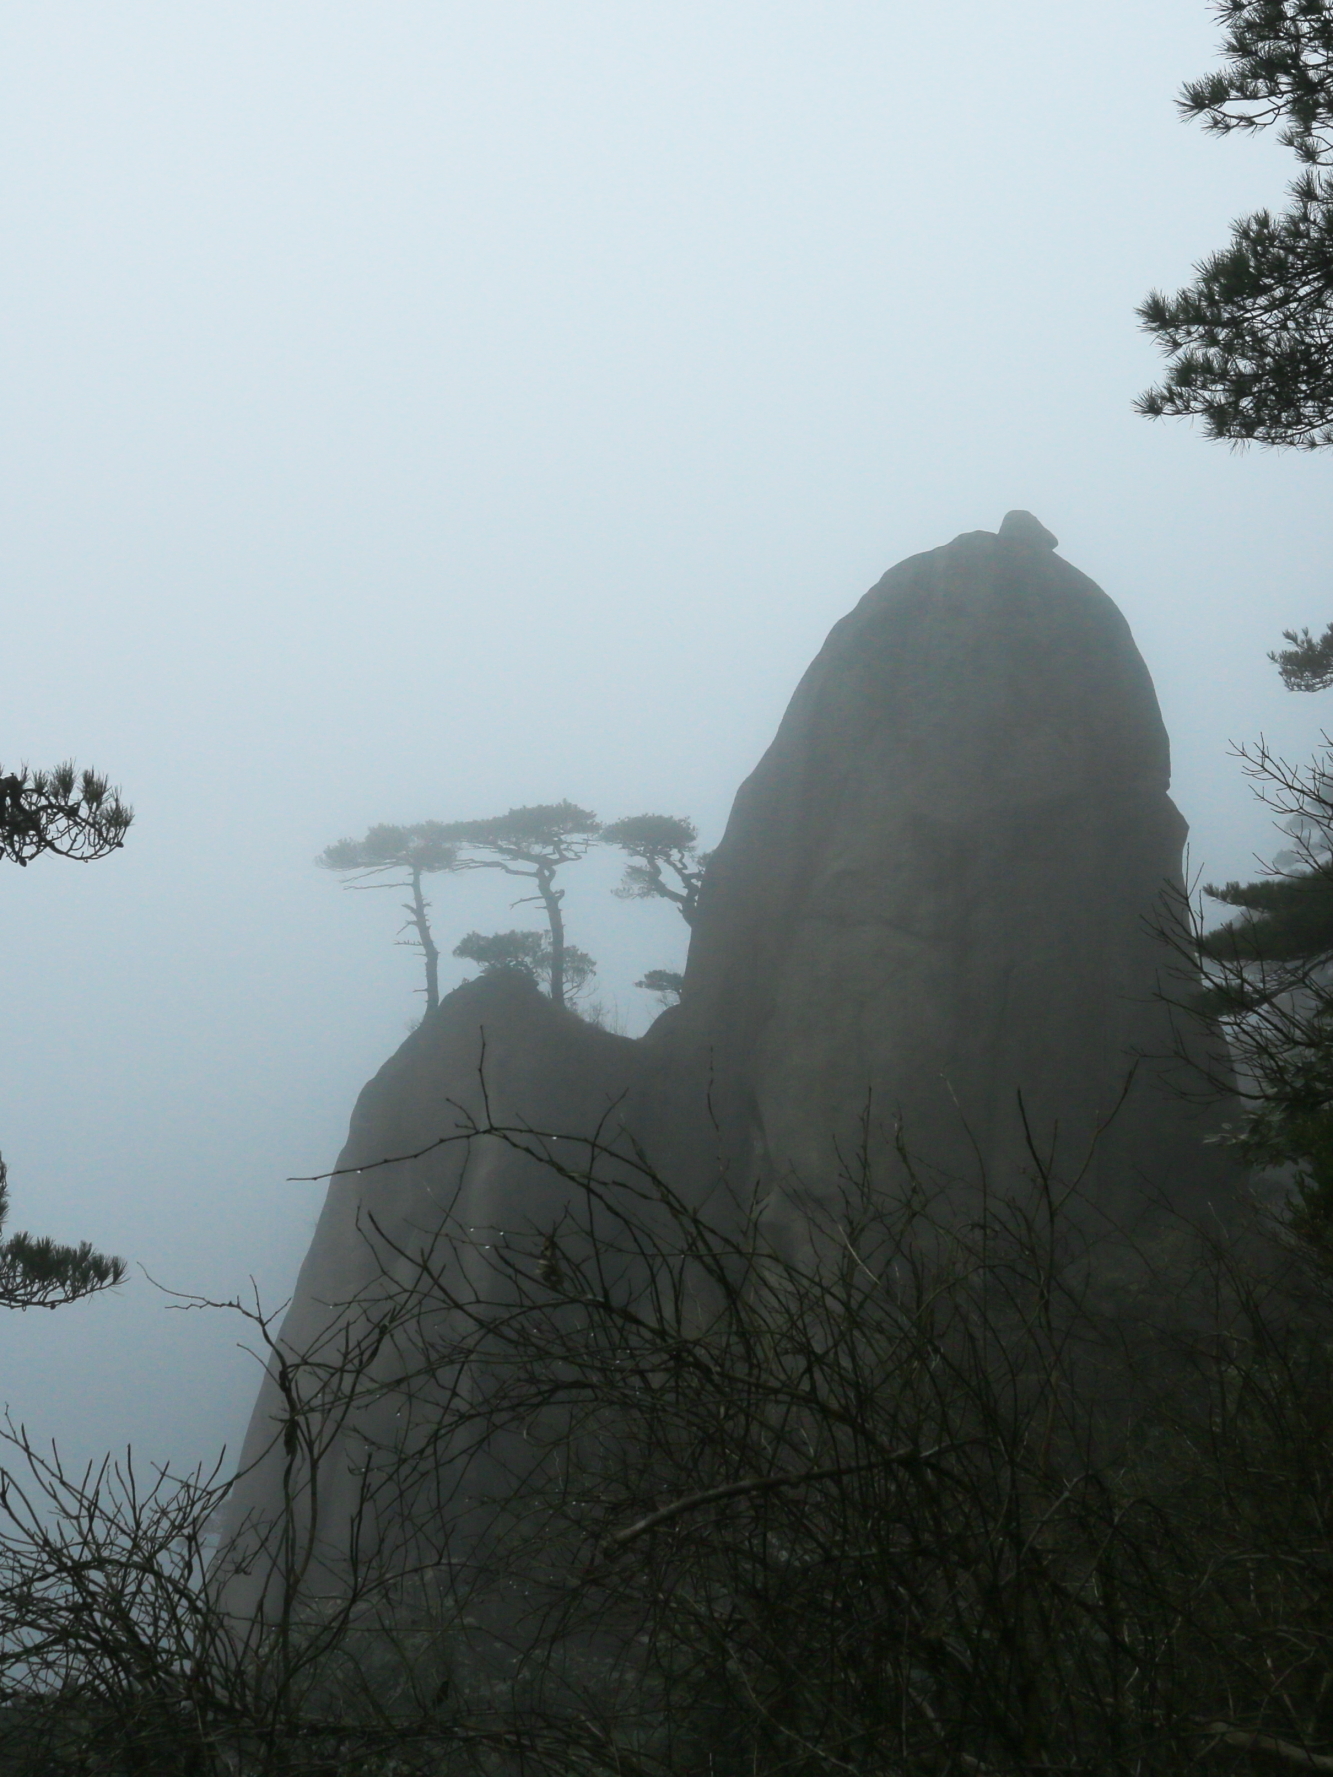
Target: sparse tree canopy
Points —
{"points": [[403, 855], [533, 842], [1308, 664], [1286, 920], [664, 860], [561, 830], [393, 848], [1251, 339], [530, 953], [39, 1273], [71, 813], [667, 984], [1269, 972]]}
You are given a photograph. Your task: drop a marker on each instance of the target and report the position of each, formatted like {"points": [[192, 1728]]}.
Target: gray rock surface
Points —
{"points": [[1022, 527], [495, 1052], [936, 892]]}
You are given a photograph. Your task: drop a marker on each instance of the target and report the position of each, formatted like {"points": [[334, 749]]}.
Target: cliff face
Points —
{"points": [[419, 1205], [936, 893], [495, 1051]]}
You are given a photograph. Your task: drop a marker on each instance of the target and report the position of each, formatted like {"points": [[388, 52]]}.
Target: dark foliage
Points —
{"points": [[74, 814], [39, 1273], [403, 855], [530, 953], [1290, 921], [977, 1497], [534, 842], [1269, 979], [665, 861], [1308, 664], [667, 984], [1250, 338]]}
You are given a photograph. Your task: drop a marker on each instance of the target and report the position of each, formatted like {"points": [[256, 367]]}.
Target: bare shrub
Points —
{"points": [[636, 1493]]}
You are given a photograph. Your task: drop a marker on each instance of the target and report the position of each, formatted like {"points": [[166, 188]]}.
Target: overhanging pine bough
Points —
{"points": [[1250, 338], [79, 816], [75, 815]]}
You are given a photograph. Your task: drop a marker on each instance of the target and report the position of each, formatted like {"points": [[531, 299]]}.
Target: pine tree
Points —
{"points": [[1250, 344], [78, 816], [1251, 339], [666, 984], [665, 860], [74, 814], [402, 855], [531, 955], [39, 1273], [1269, 975], [534, 842]]}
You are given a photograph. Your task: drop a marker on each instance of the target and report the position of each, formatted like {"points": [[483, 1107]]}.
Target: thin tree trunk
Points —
{"points": [[553, 897], [419, 920]]}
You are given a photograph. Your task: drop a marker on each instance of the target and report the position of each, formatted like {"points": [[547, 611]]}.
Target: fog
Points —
{"points": [[414, 410]]}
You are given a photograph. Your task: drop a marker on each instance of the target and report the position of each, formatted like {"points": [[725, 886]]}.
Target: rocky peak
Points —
{"points": [[1021, 527]]}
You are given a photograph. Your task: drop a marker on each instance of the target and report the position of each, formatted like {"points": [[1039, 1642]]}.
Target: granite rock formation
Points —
{"points": [[929, 929], [414, 1187], [942, 888]]}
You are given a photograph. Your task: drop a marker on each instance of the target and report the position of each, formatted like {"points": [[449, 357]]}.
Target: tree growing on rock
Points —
{"points": [[667, 984], [534, 843], [665, 863], [664, 860], [399, 857], [529, 952]]}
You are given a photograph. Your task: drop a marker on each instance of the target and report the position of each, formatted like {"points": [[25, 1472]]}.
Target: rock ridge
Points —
{"points": [[928, 930]]}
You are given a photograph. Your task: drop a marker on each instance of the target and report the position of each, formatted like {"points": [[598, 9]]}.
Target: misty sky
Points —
{"points": [[414, 409]]}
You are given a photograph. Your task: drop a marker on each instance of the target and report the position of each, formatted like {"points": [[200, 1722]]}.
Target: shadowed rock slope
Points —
{"points": [[416, 1193], [939, 889], [936, 892]]}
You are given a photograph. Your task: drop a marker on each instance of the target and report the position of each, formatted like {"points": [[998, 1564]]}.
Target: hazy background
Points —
{"points": [[410, 410]]}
